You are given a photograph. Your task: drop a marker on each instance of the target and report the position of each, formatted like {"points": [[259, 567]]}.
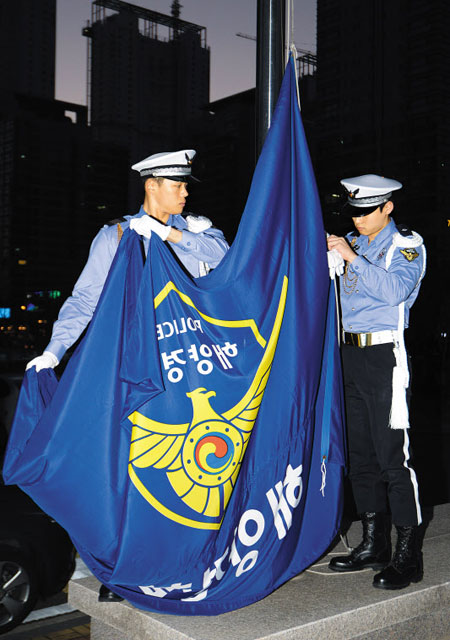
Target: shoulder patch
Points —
{"points": [[409, 254]]}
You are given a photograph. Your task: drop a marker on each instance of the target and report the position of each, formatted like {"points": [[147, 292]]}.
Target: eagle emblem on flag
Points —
{"points": [[202, 457]]}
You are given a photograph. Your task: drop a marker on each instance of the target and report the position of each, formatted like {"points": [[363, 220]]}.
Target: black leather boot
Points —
{"points": [[106, 595], [373, 552], [406, 565]]}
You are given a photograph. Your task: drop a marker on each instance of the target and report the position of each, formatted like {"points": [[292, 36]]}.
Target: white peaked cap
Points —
{"points": [[369, 190], [174, 165]]}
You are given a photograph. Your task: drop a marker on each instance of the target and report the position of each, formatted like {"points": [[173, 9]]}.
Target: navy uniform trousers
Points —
{"points": [[379, 457]]}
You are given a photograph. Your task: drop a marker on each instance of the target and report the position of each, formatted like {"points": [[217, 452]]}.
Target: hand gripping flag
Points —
{"points": [[193, 447]]}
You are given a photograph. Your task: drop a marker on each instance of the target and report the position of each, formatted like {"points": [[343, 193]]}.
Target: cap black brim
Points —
{"points": [[190, 178], [357, 212]]}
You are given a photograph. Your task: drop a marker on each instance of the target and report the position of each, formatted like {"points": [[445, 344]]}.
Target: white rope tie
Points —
{"points": [[295, 55], [399, 416], [323, 470], [338, 318], [348, 549]]}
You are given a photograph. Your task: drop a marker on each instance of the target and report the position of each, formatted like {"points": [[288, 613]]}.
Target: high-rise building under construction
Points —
{"points": [[148, 75]]}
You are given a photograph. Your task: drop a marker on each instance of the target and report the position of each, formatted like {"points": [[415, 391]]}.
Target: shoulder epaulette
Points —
{"points": [[404, 230], [111, 223], [117, 222], [407, 241]]}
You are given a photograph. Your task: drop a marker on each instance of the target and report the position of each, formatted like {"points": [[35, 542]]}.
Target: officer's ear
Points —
{"points": [[150, 185], [388, 208]]}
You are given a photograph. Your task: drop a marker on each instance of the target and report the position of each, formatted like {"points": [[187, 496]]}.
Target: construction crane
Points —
{"points": [[305, 52], [176, 9], [245, 35]]}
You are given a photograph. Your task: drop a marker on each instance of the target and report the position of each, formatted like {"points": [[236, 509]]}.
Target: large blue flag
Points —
{"points": [[193, 447]]}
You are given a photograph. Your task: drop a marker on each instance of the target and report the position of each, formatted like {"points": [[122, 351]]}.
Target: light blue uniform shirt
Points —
{"points": [[207, 246], [370, 294]]}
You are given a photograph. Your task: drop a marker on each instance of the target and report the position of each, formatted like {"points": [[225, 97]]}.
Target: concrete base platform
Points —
{"points": [[315, 605]]}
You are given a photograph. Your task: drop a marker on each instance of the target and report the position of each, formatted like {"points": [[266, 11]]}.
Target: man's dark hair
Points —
{"points": [[158, 179]]}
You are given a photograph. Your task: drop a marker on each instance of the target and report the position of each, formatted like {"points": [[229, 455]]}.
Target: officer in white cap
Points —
{"points": [[196, 243], [384, 266]]}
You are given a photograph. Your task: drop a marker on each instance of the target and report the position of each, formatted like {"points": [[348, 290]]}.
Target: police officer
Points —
{"points": [[384, 266], [196, 243]]}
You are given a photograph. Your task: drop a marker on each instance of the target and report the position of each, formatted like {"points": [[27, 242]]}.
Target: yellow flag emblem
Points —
{"points": [[202, 457]]}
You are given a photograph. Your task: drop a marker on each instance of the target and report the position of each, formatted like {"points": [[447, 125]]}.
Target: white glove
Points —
{"points": [[146, 224], [197, 224], [46, 361], [335, 263]]}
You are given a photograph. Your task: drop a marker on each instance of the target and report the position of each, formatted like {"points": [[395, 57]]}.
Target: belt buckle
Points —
{"points": [[364, 340]]}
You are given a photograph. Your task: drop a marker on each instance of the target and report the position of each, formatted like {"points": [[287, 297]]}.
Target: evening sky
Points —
{"points": [[232, 58]]}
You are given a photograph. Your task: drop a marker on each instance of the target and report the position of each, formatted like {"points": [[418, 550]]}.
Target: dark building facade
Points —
{"points": [[57, 184], [57, 187], [38, 157], [65, 168], [27, 47], [383, 103], [383, 100], [224, 137], [148, 76]]}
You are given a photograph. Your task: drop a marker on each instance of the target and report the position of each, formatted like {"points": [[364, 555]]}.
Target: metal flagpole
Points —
{"points": [[270, 63]]}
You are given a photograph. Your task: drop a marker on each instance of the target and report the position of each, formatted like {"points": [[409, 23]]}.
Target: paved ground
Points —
{"points": [[318, 604], [71, 626]]}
